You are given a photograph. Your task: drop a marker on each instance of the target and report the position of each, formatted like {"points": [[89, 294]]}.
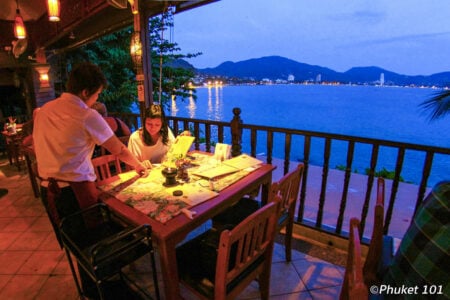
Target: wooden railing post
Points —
{"points": [[236, 132]]}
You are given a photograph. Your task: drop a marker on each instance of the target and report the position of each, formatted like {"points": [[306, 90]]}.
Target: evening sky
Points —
{"points": [[409, 37]]}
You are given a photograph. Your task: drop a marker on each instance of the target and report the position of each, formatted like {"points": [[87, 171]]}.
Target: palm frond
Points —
{"points": [[438, 106]]}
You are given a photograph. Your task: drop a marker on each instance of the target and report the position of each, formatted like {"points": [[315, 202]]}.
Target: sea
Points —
{"points": [[380, 112]]}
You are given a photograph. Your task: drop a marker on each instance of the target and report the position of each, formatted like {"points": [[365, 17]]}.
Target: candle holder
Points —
{"points": [[170, 175]]}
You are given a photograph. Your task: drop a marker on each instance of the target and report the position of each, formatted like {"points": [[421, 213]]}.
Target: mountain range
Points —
{"points": [[281, 68]]}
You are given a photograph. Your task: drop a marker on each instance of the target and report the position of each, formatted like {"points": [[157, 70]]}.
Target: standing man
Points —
{"points": [[65, 133]]}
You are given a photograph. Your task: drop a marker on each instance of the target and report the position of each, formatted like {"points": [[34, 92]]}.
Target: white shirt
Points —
{"points": [[65, 133], [154, 153]]}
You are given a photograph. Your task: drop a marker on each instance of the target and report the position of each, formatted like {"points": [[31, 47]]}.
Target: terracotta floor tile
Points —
{"points": [[58, 287], [50, 243], [7, 238], [329, 293], [34, 210], [28, 241], [305, 295], [42, 223], [4, 280], [19, 224], [317, 273], [11, 261], [41, 262], [63, 267], [23, 287]]}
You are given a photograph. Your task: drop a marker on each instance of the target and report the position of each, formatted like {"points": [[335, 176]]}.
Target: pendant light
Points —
{"points": [[53, 10], [19, 27]]}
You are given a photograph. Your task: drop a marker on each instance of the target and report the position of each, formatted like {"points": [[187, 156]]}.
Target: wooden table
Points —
{"points": [[168, 235]]}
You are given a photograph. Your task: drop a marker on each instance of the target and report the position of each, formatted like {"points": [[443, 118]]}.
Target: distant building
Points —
{"points": [[382, 79], [291, 78], [319, 78]]}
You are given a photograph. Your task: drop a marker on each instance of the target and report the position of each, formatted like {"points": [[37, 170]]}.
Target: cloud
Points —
{"points": [[396, 39], [360, 16]]}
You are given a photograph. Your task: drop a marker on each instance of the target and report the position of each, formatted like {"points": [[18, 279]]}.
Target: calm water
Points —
{"points": [[390, 113]]}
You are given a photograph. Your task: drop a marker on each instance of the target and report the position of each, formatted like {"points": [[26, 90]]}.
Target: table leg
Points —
{"points": [[169, 270]]}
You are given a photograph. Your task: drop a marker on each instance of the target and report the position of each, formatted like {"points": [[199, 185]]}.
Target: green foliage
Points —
{"points": [[385, 173], [111, 53], [169, 80], [438, 106]]}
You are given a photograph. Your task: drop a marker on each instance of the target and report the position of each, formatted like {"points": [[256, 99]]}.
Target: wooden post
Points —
{"points": [[236, 132]]}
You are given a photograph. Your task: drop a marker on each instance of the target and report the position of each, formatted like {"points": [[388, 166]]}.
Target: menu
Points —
{"points": [[178, 149], [228, 166]]}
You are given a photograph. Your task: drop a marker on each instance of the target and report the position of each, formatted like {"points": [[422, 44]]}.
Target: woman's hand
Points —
{"points": [[147, 164], [185, 133], [141, 170]]}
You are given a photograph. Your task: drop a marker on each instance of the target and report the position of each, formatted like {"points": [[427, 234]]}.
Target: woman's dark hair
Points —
{"points": [[86, 76], [154, 112]]}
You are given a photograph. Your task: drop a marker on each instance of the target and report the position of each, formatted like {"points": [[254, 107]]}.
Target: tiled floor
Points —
{"points": [[32, 266]]}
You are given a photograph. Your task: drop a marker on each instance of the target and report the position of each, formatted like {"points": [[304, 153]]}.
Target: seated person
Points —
{"points": [[423, 255], [119, 128], [151, 142]]}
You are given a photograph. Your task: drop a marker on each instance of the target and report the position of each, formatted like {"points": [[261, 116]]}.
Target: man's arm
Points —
{"points": [[116, 147]]}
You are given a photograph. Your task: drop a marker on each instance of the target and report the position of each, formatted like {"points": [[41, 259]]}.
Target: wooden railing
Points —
{"points": [[245, 137]]}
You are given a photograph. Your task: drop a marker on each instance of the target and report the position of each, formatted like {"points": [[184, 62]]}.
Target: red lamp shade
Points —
{"points": [[19, 27], [53, 10]]}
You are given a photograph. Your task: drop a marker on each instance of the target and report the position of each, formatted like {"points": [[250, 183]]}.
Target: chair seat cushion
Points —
{"points": [[236, 213], [197, 260]]}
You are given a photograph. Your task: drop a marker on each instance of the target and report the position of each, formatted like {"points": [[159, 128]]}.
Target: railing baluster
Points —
{"points": [[423, 183], [269, 146], [287, 152], [220, 134], [197, 135], [253, 140], [348, 170], [323, 189], [394, 188], [370, 178], [306, 151], [208, 137]]}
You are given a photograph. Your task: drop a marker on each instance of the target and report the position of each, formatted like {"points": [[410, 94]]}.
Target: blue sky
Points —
{"points": [[410, 37]]}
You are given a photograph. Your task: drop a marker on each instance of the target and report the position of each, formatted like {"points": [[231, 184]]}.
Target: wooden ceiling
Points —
{"points": [[81, 21]]}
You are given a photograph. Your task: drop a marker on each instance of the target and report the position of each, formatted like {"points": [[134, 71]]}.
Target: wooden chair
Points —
{"points": [[220, 265], [287, 188], [381, 246], [107, 168], [354, 286]]}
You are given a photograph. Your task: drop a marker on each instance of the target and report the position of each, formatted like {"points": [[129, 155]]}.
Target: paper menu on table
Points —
{"points": [[179, 148], [229, 166], [222, 151], [242, 162]]}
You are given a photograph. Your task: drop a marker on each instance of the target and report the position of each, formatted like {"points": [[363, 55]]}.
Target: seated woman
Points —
{"points": [[151, 142]]}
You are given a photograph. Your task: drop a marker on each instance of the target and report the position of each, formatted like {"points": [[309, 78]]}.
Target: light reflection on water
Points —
{"points": [[386, 113]]}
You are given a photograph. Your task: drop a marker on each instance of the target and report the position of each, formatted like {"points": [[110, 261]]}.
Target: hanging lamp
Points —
{"points": [[19, 26], [53, 10], [136, 49]]}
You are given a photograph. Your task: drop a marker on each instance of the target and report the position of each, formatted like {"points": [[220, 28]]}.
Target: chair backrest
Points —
{"points": [[248, 250], [354, 286], [107, 167], [376, 241], [288, 188]]}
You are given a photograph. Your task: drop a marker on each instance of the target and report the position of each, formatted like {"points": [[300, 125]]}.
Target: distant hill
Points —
{"points": [[277, 67]]}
